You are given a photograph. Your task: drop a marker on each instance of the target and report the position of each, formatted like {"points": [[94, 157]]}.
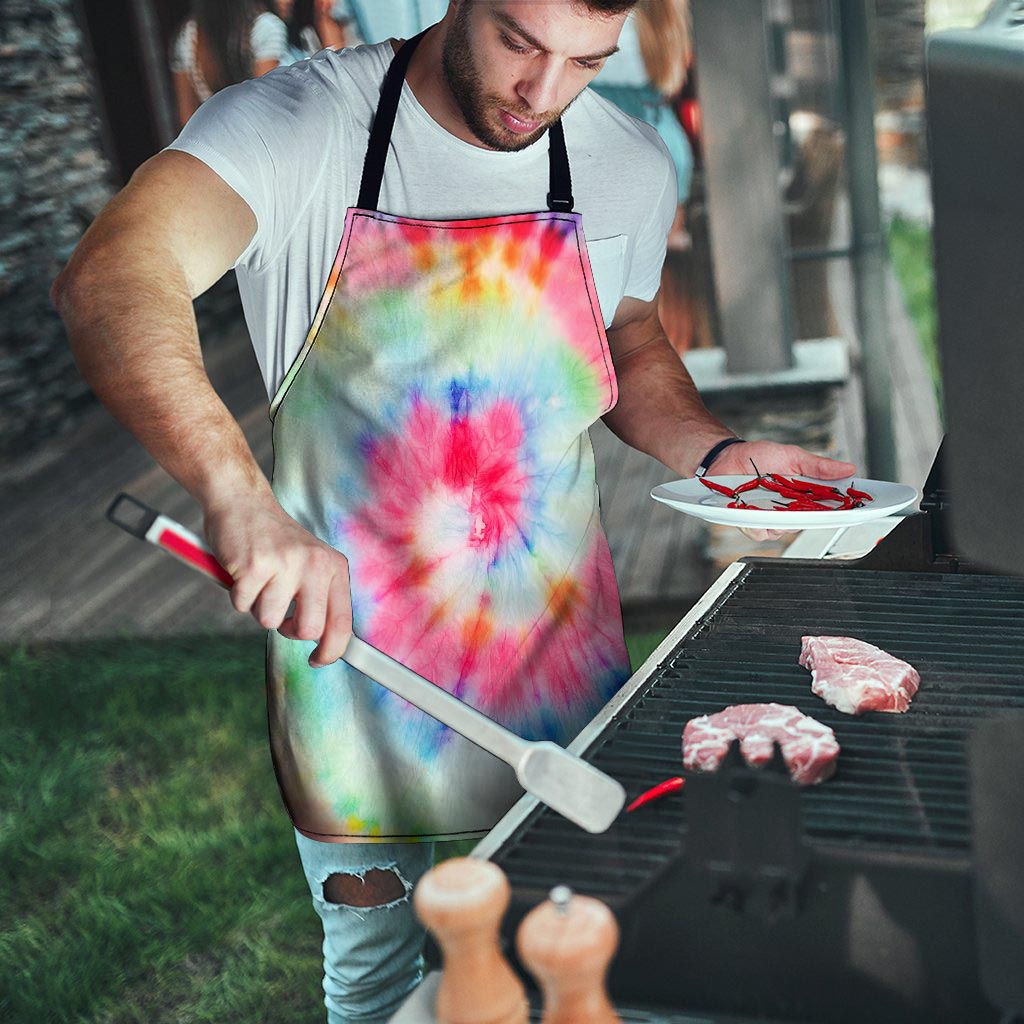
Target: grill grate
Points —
{"points": [[902, 779]]}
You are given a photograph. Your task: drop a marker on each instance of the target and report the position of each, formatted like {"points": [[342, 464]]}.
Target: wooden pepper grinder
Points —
{"points": [[567, 943], [462, 901]]}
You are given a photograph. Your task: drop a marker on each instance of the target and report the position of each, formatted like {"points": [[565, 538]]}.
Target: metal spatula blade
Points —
{"points": [[566, 783], [574, 788]]}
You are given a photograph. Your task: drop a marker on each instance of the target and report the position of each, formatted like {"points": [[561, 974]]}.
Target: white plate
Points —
{"points": [[693, 498]]}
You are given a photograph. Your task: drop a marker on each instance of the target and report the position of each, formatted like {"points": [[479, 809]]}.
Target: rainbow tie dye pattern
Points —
{"points": [[434, 429]]}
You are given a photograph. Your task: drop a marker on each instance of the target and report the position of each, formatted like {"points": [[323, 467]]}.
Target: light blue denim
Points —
{"points": [[373, 956]]}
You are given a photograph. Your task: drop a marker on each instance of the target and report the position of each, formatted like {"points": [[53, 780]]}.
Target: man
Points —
{"points": [[430, 405]]}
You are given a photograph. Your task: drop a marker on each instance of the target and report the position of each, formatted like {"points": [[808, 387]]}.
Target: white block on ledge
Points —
{"points": [[824, 361]]}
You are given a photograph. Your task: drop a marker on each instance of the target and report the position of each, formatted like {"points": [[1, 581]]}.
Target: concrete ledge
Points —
{"points": [[816, 363]]}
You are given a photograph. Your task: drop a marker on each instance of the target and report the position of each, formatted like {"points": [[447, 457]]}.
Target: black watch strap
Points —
{"points": [[705, 463]]}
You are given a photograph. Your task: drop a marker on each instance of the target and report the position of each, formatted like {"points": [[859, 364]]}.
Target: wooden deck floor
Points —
{"points": [[75, 574], [70, 573]]}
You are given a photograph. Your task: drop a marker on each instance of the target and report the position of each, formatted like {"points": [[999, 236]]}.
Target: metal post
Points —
{"points": [[154, 65], [748, 237], [868, 239]]}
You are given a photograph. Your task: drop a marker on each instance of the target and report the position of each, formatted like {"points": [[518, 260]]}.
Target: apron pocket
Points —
{"points": [[608, 265]]}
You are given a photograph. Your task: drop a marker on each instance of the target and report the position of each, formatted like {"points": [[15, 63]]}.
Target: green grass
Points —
{"points": [[641, 646], [149, 871], [910, 247]]}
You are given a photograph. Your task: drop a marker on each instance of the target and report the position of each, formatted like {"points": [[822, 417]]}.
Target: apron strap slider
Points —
{"points": [[560, 204]]}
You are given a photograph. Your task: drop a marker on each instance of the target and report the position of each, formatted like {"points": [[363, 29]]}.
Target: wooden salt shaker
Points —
{"points": [[567, 943], [462, 901]]}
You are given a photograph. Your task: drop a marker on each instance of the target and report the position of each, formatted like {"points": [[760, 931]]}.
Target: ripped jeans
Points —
{"points": [[372, 954]]}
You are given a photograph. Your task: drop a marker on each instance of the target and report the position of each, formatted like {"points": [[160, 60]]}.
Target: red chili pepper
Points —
{"points": [[863, 495], [656, 793], [773, 485], [808, 487], [793, 485], [717, 487], [750, 485], [806, 505], [740, 503], [789, 492]]}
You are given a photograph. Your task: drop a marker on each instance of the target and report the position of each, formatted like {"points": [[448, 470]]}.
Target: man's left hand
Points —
{"points": [[771, 457]]}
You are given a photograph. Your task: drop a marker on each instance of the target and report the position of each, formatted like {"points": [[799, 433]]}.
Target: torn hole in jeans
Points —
{"points": [[376, 888]]}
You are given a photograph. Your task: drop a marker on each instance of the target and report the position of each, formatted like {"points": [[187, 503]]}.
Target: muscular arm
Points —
{"points": [[659, 409], [126, 300]]}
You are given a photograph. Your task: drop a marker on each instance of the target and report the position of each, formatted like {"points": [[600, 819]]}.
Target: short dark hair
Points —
{"points": [[608, 6], [599, 7]]}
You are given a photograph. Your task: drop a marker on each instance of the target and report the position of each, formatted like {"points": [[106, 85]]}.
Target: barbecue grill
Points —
{"points": [[893, 892], [746, 896]]}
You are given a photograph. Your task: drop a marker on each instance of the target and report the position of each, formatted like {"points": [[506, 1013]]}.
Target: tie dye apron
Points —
{"points": [[433, 428]]}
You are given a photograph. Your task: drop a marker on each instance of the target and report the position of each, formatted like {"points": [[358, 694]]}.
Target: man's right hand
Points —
{"points": [[274, 561]]}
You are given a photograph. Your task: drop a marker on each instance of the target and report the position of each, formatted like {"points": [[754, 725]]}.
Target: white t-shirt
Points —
{"points": [[292, 144]]}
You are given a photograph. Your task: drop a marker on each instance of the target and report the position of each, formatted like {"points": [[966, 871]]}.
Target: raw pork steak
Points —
{"points": [[809, 748], [855, 677]]}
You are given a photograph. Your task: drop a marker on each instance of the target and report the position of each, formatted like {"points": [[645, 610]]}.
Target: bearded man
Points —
{"points": [[449, 253]]}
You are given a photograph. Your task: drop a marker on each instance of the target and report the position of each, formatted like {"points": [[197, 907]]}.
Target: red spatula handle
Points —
{"points": [[147, 524]]}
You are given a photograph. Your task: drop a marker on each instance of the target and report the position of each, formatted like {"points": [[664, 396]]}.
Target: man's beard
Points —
{"points": [[464, 83]]}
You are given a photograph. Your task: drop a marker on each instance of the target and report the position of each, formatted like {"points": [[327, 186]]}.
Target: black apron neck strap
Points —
{"points": [[559, 197], [383, 122]]}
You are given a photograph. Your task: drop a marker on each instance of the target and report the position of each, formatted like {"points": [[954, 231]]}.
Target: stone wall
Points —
{"points": [[54, 178]]}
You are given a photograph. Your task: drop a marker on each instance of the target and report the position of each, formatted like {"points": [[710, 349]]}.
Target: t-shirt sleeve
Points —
{"points": [[649, 250], [269, 38], [268, 139], [181, 50]]}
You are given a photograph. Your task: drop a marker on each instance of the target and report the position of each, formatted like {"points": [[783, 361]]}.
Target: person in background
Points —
{"points": [[373, 21], [221, 43], [313, 25], [648, 73]]}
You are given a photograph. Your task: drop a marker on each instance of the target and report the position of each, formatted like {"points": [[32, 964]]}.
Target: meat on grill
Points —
{"points": [[855, 677], [809, 748]]}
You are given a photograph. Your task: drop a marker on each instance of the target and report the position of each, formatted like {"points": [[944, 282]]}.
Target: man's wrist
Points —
{"points": [[714, 452], [233, 484]]}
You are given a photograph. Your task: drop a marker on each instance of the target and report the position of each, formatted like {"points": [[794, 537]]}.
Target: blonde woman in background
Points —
{"points": [[644, 79], [648, 73], [224, 42], [314, 25]]}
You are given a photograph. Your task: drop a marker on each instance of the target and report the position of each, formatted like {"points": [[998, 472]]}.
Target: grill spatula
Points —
{"points": [[566, 783]]}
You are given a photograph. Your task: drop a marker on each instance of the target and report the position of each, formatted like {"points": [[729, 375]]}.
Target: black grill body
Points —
{"points": [[748, 896]]}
